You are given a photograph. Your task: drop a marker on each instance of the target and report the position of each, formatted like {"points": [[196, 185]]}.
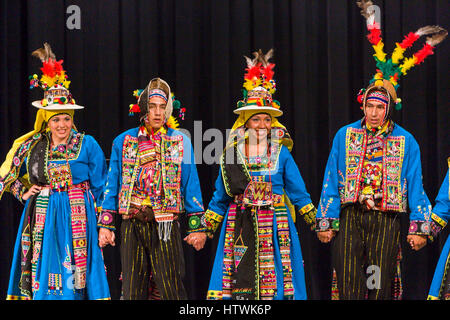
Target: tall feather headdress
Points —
{"points": [[389, 71]]}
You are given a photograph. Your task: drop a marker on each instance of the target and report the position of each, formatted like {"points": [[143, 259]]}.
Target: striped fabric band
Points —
{"points": [[157, 93], [378, 96]]}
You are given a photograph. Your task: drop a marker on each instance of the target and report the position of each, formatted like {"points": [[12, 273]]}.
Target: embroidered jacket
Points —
{"points": [[85, 157], [401, 183], [180, 181], [285, 177], [441, 210]]}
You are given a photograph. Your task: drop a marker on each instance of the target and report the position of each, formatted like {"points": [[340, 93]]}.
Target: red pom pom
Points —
{"points": [[360, 98], [135, 108]]}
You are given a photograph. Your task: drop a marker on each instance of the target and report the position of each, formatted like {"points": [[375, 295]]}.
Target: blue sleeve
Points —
{"points": [[329, 208], [442, 206], [441, 211], [418, 201], [97, 169], [190, 184], [191, 190], [218, 206], [295, 188], [112, 187], [293, 182], [220, 200]]}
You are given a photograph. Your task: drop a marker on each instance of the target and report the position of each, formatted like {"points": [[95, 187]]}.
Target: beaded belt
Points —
{"points": [[83, 186], [239, 199]]}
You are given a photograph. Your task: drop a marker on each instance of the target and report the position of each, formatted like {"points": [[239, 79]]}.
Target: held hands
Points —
{"points": [[196, 239], [105, 237], [326, 236], [416, 242], [31, 192]]}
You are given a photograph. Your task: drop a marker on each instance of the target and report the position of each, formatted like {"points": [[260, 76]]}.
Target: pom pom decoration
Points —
{"points": [[360, 95], [398, 104], [134, 108]]}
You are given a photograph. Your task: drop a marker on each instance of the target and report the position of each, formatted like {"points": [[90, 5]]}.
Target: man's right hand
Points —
{"points": [[105, 237], [325, 236]]}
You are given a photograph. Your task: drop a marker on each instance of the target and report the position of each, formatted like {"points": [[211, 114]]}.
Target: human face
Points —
{"points": [[60, 127], [375, 112], [156, 112], [259, 125]]}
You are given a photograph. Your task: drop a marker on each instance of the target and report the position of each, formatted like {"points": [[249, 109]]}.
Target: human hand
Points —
{"points": [[416, 241], [105, 237], [196, 239], [326, 236], [31, 192]]}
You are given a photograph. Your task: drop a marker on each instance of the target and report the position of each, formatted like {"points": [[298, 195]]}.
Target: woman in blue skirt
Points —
{"points": [[58, 173]]}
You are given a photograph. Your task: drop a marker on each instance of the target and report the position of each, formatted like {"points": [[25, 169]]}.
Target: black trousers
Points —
{"points": [[365, 253], [145, 258]]}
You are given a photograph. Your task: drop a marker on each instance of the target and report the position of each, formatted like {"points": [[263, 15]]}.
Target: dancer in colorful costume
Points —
{"points": [[258, 254], [59, 175], [373, 174], [152, 179]]}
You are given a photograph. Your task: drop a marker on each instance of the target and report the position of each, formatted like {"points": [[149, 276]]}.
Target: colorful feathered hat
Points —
{"points": [[389, 71], [259, 85], [53, 81], [141, 106]]}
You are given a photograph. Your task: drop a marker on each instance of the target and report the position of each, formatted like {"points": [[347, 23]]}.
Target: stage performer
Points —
{"points": [[373, 175], [258, 188], [58, 174], [152, 179]]}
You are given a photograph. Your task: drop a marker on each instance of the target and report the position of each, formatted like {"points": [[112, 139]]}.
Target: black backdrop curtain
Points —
{"points": [[322, 59]]}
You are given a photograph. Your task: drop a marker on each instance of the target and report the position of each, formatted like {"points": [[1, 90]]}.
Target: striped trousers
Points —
{"points": [[365, 253], [146, 259]]}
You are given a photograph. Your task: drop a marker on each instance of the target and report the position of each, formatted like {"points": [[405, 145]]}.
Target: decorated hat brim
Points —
{"points": [[55, 106], [273, 111]]}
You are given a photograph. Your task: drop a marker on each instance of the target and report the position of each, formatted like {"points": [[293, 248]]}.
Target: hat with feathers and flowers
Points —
{"points": [[389, 71], [259, 85], [53, 81]]}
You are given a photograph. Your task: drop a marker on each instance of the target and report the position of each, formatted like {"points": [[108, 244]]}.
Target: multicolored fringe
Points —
{"points": [[334, 287], [78, 217], [266, 276], [284, 241], [228, 256], [397, 287], [55, 283], [38, 234]]}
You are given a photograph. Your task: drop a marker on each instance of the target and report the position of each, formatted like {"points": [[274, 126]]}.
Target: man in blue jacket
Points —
{"points": [[152, 179]]}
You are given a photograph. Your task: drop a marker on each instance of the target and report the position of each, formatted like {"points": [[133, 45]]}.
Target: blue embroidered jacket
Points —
{"points": [[441, 215], [180, 179], [402, 178]]}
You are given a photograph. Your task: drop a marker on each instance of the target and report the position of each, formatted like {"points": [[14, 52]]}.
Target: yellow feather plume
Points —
{"points": [[408, 64], [379, 53], [397, 55]]}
